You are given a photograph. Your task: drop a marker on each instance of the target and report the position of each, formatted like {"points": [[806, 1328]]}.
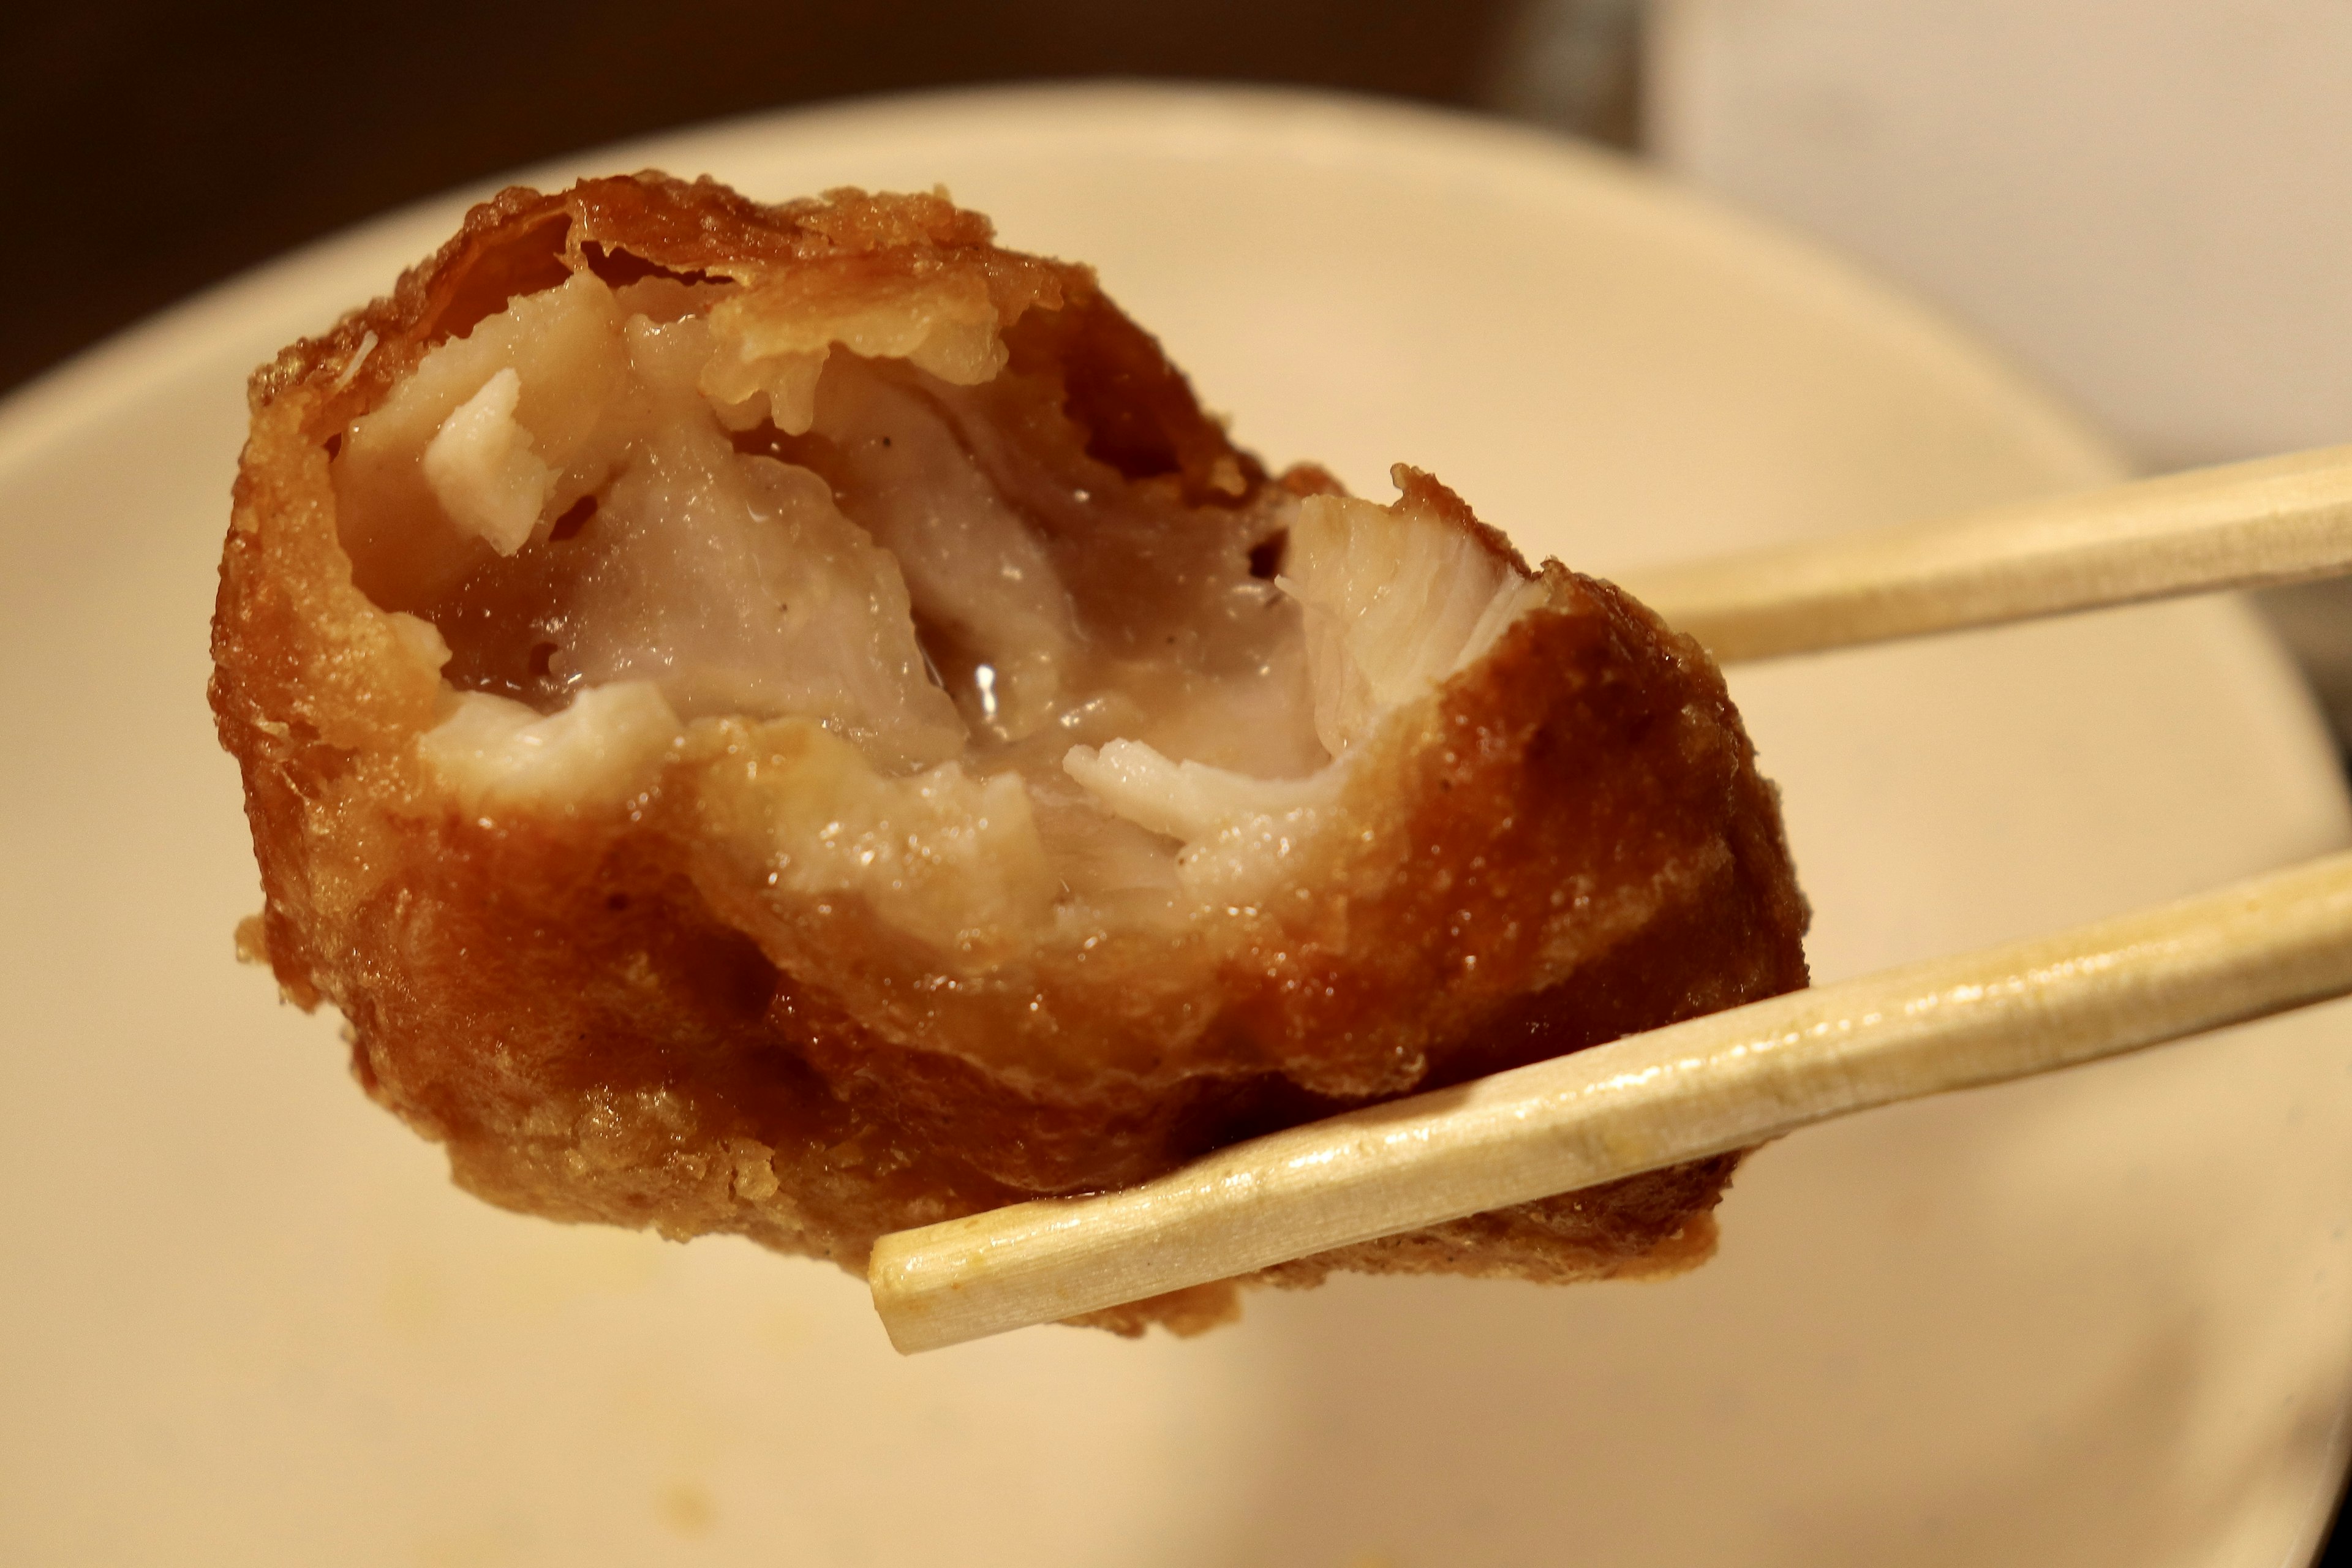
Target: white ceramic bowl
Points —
{"points": [[2106, 1317]]}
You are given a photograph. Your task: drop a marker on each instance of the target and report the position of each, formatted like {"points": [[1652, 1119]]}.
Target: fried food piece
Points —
{"points": [[791, 721]]}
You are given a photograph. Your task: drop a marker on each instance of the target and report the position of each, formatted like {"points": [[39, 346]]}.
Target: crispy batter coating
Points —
{"points": [[627, 1000]]}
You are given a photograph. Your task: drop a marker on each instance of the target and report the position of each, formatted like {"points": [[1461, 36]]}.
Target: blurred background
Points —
{"points": [[158, 146], [2148, 204]]}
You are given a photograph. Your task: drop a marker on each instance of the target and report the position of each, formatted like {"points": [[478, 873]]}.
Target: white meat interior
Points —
{"points": [[615, 514]]}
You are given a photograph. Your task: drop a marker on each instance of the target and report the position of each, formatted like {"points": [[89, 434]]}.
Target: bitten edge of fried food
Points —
{"points": [[590, 1010]]}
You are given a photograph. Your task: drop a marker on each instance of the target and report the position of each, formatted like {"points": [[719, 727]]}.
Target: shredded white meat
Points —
{"points": [[482, 469], [1396, 602], [497, 753], [592, 512]]}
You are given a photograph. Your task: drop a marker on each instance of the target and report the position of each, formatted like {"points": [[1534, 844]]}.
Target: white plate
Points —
{"points": [[2104, 1318]]}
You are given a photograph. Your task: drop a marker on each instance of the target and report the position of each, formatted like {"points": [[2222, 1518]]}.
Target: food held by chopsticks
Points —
{"points": [[791, 721], [1726, 1081]]}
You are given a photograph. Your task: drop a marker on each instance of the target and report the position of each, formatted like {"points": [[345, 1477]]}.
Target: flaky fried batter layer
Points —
{"points": [[1057, 797]]}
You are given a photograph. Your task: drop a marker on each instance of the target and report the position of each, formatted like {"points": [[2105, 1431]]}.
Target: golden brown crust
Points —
{"points": [[605, 1013]]}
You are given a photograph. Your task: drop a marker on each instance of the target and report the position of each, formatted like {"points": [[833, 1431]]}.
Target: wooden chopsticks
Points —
{"points": [[1732, 1079], [2244, 525]]}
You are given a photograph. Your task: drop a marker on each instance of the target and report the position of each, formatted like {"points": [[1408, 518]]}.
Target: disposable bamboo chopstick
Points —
{"points": [[1725, 1082], [2280, 520]]}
